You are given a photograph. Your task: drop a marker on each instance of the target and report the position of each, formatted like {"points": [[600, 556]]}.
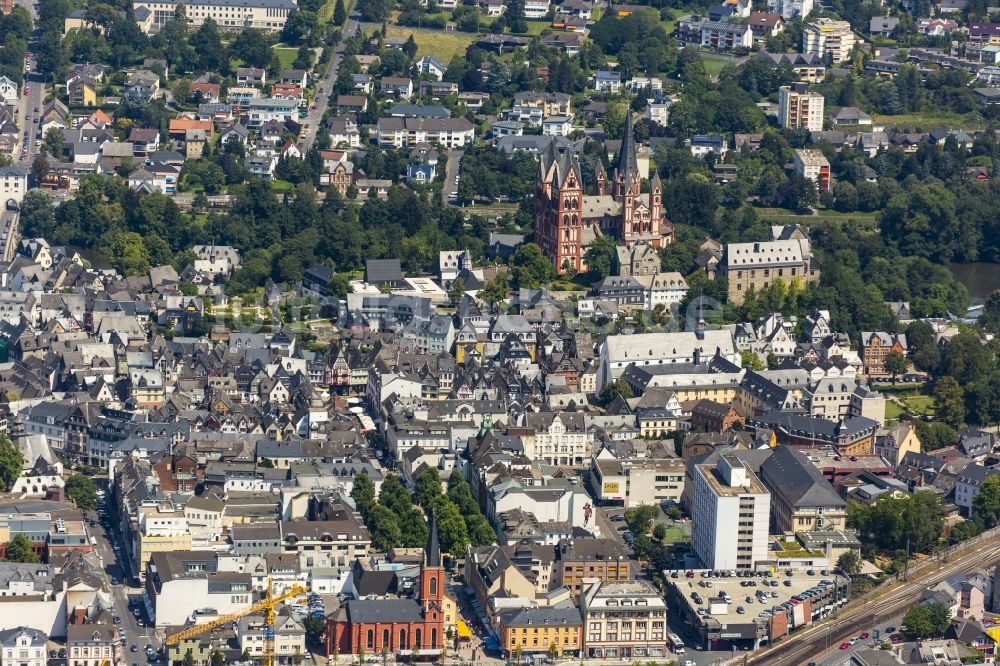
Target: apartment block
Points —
{"points": [[827, 37], [800, 109], [812, 164]]}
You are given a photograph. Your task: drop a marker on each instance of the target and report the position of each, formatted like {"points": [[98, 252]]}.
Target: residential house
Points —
{"points": [[431, 66], [875, 346], [142, 86]]}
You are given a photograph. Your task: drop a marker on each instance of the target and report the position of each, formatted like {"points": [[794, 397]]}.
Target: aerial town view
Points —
{"points": [[499, 332]]}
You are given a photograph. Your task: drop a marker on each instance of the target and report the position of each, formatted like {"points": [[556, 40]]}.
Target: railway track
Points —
{"points": [[863, 613]]}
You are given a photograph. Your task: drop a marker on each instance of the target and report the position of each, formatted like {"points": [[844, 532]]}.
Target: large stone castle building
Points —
{"points": [[567, 220]]}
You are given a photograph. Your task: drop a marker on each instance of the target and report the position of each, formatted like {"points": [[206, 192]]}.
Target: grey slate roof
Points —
{"points": [[789, 474], [385, 611]]}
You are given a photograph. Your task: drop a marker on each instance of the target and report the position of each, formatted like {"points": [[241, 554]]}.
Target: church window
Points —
{"points": [[402, 639], [371, 639], [385, 639], [434, 585], [434, 638], [416, 639]]}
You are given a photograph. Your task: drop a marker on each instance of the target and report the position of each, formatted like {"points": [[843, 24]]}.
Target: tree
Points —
{"points": [[189, 659], [410, 47], [751, 360], [896, 364], [456, 291], [514, 17], [922, 345], [850, 563], [966, 358], [363, 494], [641, 518], [935, 436], [383, 528], [11, 463], [218, 658], [39, 170], [54, 143], [129, 254], [615, 117], [19, 549], [926, 621], [480, 531], [494, 292], [614, 389], [82, 490], [374, 11], [600, 256], [949, 401], [452, 531], [315, 628], [986, 505], [339, 13], [530, 268], [427, 486]]}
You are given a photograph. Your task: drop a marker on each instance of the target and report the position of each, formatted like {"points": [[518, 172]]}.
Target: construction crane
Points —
{"points": [[265, 606]]}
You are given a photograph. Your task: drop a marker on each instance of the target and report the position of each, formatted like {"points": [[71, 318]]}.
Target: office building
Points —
{"points": [[730, 512]]}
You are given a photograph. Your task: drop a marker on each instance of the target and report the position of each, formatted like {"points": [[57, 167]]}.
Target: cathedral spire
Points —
{"points": [[628, 166]]}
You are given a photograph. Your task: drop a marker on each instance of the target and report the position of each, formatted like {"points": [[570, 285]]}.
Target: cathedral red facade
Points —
{"points": [[567, 220]]}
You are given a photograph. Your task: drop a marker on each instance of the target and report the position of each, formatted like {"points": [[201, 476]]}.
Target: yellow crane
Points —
{"points": [[265, 606]]}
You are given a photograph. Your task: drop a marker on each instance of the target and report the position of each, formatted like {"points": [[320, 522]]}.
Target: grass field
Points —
{"points": [[536, 27], [892, 411], [286, 56], [931, 120], [866, 220], [444, 45], [674, 535], [713, 63]]}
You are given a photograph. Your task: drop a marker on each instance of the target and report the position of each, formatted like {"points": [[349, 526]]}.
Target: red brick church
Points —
{"points": [[411, 629], [567, 220]]}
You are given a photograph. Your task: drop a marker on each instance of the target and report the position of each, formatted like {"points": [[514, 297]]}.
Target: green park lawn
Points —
{"points": [[286, 56], [444, 45]]}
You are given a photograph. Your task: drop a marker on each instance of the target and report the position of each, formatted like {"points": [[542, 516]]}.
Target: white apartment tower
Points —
{"points": [[826, 36], [730, 514]]}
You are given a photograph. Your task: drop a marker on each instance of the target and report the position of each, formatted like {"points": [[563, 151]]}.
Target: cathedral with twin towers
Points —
{"points": [[567, 219]]}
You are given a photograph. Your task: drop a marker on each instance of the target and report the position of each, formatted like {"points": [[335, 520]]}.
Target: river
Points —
{"points": [[981, 278]]}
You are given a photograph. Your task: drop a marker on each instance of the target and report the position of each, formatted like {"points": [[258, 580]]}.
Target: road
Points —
{"points": [[322, 100], [865, 614], [449, 191], [106, 536], [28, 103]]}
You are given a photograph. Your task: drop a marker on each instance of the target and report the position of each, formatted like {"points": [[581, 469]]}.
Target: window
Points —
{"points": [[434, 586], [371, 639]]}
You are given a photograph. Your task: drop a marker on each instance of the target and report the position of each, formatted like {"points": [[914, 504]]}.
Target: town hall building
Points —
{"points": [[567, 220]]}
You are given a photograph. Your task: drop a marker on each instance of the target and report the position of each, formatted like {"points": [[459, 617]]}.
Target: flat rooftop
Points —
{"points": [[753, 486], [726, 613]]}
